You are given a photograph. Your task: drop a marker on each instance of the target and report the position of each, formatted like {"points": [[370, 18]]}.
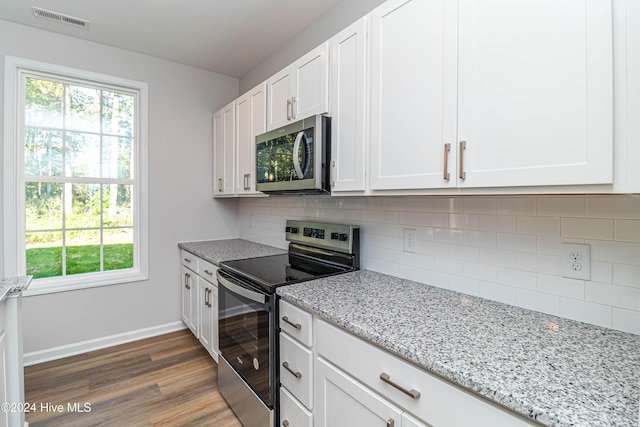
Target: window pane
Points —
{"points": [[116, 202], [117, 158], [82, 154], [44, 254], [42, 152], [43, 206], [117, 114], [82, 109], [118, 248], [82, 206], [43, 103], [83, 251]]}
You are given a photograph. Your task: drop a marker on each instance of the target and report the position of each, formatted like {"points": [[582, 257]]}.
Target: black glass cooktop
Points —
{"points": [[276, 270]]}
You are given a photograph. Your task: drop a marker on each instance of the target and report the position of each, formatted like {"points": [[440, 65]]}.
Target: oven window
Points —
{"points": [[275, 158], [244, 339]]}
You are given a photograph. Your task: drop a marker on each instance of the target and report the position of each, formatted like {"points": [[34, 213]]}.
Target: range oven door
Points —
{"points": [[247, 334]]}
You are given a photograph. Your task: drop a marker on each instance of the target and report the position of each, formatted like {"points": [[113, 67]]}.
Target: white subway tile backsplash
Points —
{"points": [[596, 314], [561, 286], [537, 301], [502, 248], [516, 243], [627, 230], [500, 293], [626, 320], [517, 206], [561, 206], [626, 275], [539, 226], [613, 207], [585, 228]]}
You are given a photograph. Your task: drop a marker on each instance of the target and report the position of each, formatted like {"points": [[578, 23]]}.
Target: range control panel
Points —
{"points": [[339, 237]]}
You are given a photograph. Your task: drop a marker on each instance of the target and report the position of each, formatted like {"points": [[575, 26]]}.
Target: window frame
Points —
{"points": [[13, 186]]}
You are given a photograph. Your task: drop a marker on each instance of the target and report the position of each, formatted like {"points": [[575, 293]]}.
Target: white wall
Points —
{"points": [[181, 101], [335, 19], [501, 248]]}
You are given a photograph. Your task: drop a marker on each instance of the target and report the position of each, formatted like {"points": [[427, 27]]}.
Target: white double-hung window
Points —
{"points": [[75, 176]]}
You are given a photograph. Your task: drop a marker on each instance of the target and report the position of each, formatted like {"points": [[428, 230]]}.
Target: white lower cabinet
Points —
{"points": [[200, 300], [292, 412]]}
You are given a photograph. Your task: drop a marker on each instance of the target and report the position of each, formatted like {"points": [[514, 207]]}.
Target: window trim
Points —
{"points": [[14, 226]]}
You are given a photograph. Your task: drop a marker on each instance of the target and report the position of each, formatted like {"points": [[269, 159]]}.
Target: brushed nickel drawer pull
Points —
{"points": [[187, 260], [285, 423], [390, 422], [447, 149], [285, 319], [285, 365], [463, 146], [208, 272], [414, 394]]}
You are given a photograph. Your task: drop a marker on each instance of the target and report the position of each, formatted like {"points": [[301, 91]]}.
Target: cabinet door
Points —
{"points": [[223, 151], [341, 401], [535, 92], [311, 84], [348, 108], [190, 299], [251, 120], [413, 94], [194, 296], [279, 88], [205, 319]]}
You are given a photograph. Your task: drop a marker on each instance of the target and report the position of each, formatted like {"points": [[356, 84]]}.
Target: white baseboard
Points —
{"points": [[55, 353]]}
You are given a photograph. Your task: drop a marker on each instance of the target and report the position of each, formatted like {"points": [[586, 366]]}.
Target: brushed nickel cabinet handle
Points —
{"points": [[414, 394], [463, 146], [285, 365], [208, 272], [206, 298], [288, 109], [209, 303], [390, 422], [447, 149], [285, 423], [294, 106], [187, 280], [286, 320]]}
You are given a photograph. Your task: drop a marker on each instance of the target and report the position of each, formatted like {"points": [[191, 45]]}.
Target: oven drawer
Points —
{"points": [[292, 413], [296, 369], [189, 260], [296, 322], [434, 398], [208, 271]]}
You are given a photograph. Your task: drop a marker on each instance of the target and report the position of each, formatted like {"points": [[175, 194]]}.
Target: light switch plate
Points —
{"points": [[575, 262]]}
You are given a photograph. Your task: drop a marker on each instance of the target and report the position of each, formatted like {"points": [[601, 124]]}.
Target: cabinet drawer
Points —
{"points": [[207, 270], [296, 369], [189, 260], [296, 322], [292, 413], [438, 402]]}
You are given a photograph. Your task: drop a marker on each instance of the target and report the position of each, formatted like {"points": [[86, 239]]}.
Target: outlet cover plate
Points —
{"points": [[411, 240], [575, 262]]}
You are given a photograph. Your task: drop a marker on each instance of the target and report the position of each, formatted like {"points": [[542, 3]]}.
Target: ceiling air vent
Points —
{"points": [[59, 17]]}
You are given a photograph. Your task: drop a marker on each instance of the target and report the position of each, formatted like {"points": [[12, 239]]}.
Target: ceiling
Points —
{"points": [[224, 36]]}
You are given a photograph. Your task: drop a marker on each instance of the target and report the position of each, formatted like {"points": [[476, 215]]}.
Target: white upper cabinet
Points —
{"points": [[535, 100], [349, 108], [251, 120], [300, 90], [223, 151], [413, 93]]}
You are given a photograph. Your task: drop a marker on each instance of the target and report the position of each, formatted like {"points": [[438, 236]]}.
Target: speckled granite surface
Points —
{"points": [[216, 251], [16, 284], [557, 371]]}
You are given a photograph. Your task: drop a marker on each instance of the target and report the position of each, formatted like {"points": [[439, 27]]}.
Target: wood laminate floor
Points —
{"points": [[168, 380]]}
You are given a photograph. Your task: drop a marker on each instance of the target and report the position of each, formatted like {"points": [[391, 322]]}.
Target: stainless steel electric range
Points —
{"points": [[248, 374]]}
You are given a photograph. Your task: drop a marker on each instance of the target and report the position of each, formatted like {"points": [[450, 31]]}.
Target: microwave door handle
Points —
{"points": [[247, 293], [296, 159]]}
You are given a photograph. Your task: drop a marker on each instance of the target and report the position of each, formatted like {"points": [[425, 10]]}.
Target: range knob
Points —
{"points": [[343, 237], [334, 236], [294, 230]]}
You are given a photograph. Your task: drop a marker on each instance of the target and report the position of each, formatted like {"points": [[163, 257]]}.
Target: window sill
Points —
{"points": [[82, 281]]}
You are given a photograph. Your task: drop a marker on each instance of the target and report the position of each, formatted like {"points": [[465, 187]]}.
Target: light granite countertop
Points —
{"points": [[554, 370], [216, 251], [13, 285]]}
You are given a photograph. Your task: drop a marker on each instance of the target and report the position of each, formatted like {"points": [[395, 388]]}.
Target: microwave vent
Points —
{"points": [[59, 17]]}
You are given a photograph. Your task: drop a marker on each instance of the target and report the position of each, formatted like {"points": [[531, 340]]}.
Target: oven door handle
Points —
{"points": [[247, 293]]}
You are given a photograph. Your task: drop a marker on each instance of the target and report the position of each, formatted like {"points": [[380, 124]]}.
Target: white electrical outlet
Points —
{"points": [[575, 262], [410, 240]]}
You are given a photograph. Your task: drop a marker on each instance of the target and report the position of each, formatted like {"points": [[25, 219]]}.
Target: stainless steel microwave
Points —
{"points": [[293, 159]]}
